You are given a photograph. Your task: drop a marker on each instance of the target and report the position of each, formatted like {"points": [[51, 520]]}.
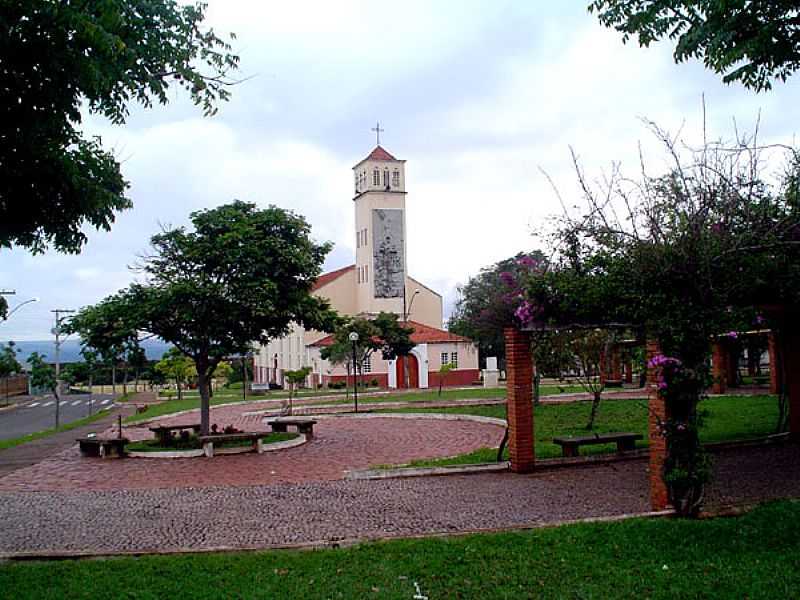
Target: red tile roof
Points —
{"points": [[423, 334], [326, 278], [379, 154]]}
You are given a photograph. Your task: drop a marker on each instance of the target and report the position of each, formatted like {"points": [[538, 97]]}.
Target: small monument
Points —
{"points": [[491, 376]]}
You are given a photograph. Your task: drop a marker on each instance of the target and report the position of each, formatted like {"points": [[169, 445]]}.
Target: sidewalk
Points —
{"points": [[36, 451]]}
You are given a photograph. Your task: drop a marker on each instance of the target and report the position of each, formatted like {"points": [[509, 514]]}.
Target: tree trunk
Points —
{"points": [[125, 379], [537, 392], [113, 379], [91, 395], [595, 405], [178, 388], [205, 401]]}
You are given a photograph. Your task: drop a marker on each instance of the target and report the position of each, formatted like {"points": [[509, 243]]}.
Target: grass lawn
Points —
{"points": [[729, 418], [192, 400], [743, 557], [192, 443], [41, 434]]}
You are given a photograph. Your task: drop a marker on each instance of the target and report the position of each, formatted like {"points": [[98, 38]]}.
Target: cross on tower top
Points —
{"points": [[377, 129]]}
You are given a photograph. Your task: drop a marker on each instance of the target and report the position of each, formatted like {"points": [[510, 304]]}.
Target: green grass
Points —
{"points": [[192, 443], [729, 418], [41, 434], [192, 400], [753, 556]]}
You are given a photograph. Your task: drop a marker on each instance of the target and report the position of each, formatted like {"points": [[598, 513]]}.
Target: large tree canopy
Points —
{"points": [[242, 275], [59, 58], [750, 41]]}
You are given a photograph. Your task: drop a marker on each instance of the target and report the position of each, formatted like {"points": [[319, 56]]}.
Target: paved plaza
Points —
{"points": [[68, 504]]}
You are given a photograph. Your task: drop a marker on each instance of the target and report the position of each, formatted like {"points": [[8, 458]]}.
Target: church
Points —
{"points": [[376, 282]]}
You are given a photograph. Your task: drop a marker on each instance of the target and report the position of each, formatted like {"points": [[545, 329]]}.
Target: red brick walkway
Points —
{"points": [[340, 444]]}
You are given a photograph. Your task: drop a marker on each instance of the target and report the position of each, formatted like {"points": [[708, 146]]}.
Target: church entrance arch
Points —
{"points": [[413, 371]]}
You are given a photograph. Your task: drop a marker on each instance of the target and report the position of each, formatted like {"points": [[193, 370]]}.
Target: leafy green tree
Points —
{"points": [[295, 379], [9, 365], [385, 334], [487, 302], [99, 56], [443, 371], [43, 377], [240, 277], [107, 328], [752, 42], [176, 367]]}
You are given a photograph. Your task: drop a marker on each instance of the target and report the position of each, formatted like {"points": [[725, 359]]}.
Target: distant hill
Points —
{"points": [[71, 349]]}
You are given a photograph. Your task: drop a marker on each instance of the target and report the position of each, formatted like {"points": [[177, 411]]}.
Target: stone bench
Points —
{"points": [[304, 426], [102, 447], [570, 445], [164, 432], [208, 441]]}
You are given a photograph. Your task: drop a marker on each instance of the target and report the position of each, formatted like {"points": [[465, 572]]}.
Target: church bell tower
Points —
{"points": [[380, 213]]}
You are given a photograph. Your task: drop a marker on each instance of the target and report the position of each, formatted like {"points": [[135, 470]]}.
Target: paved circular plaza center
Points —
{"points": [[339, 445]]}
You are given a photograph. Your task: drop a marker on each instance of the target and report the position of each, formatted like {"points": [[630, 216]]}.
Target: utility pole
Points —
{"points": [[57, 332]]}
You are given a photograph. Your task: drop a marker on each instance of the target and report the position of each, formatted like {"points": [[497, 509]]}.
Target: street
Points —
{"points": [[36, 414]]}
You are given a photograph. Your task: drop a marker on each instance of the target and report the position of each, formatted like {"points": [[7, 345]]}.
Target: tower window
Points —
{"points": [[366, 273], [376, 177], [396, 178], [386, 178], [357, 182], [454, 359], [366, 366], [445, 358]]}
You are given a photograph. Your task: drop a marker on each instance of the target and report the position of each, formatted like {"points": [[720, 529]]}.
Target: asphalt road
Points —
{"points": [[36, 414]]}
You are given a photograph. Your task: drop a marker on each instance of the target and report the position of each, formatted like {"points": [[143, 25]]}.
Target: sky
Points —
{"points": [[484, 100]]}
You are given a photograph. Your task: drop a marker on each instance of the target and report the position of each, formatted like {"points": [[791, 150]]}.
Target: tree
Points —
{"points": [[224, 371], [294, 379], [752, 42], [240, 277], [99, 56], [705, 248], [107, 328], [487, 301], [9, 365], [443, 371], [43, 377], [176, 367], [384, 334]]}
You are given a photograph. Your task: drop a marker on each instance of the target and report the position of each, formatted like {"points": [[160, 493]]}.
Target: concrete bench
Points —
{"points": [[102, 447], [164, 432], [304, 426], [208, 441], [570, 445]]}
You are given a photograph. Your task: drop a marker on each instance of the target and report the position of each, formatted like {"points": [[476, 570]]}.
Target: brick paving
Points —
{"points": [[340, 444], [150, 520]]}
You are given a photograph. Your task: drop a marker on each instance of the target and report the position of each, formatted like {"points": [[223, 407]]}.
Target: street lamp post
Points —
{"points": [[18, 306], [406, 312], [354, 338]]}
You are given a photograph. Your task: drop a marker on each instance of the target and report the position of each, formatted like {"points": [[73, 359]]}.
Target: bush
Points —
{"points": [[337, 385], [373, 382]]}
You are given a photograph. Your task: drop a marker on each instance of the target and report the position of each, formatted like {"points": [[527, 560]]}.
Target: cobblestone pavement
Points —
{"points": [[340, 444], [148, 520]]}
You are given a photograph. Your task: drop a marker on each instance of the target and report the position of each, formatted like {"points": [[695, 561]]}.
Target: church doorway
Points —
{"points": [[413, 371]]}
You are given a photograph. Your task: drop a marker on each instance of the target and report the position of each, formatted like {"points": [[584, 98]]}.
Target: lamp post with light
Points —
{"points": [[18, 306], [354, 338]]}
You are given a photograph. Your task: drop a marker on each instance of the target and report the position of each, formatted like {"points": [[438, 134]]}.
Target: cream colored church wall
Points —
{"points": [[426, 307], [467, 355]]}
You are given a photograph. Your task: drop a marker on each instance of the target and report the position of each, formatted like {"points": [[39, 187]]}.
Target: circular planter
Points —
{"points": [[298, 441]]}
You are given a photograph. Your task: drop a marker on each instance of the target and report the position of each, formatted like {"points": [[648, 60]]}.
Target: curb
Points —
{"points": [[325, 544], [8, 408]]}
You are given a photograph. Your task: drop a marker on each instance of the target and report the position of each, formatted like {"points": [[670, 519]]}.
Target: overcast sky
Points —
{"points": [[476, 96]]}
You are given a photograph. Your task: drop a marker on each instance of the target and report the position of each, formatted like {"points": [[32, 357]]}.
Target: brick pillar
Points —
{"points": [[616, 364], [719, 367], [774, 364], [628, 368], [790, 349], [519, 392], [659, 498], [603, 367]]}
